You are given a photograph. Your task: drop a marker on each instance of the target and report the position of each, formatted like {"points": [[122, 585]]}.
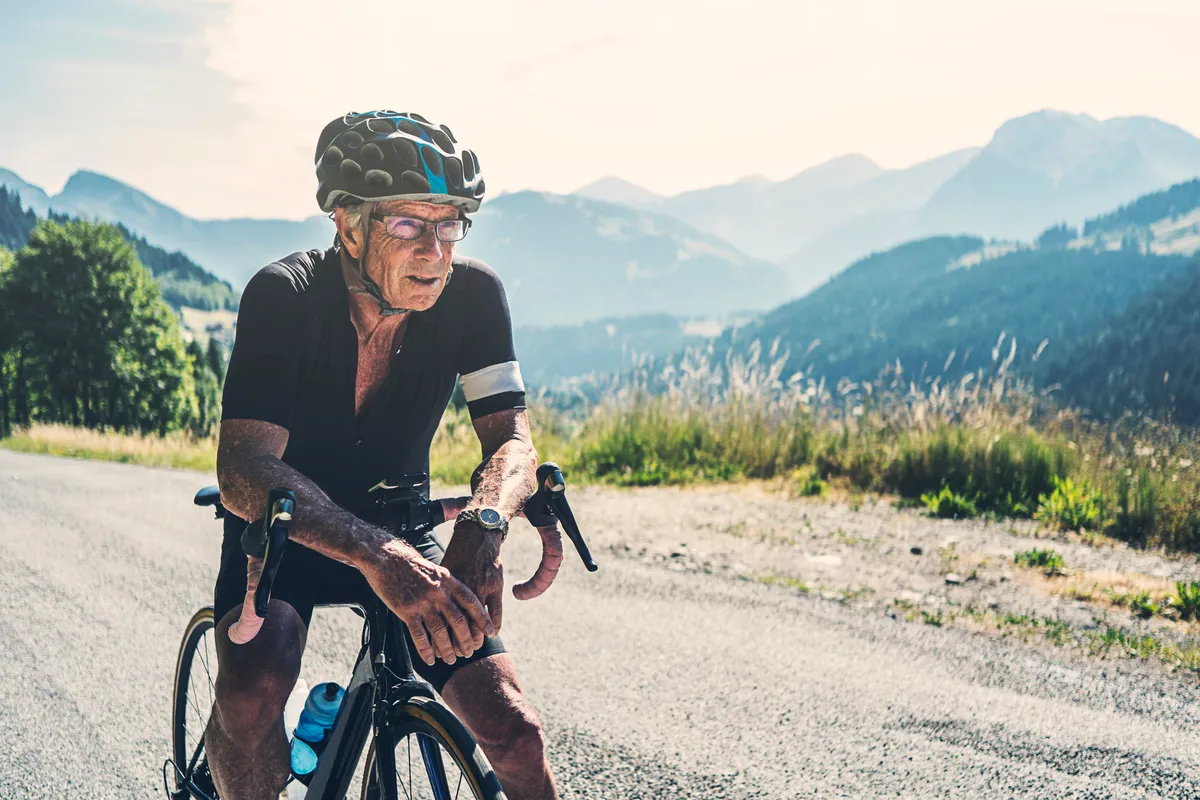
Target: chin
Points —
{"points": [[422, 301]]}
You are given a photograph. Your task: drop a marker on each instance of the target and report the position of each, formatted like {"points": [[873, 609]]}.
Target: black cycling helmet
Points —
{"points": [[386, 155]]}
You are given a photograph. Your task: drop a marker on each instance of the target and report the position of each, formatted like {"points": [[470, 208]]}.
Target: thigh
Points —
{"points": [[487, 696]]}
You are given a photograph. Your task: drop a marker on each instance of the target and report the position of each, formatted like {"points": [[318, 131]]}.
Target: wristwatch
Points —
{"points": [[487, 518]]}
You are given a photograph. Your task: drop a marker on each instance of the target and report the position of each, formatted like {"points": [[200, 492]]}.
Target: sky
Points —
{"points": [[214, 106]]}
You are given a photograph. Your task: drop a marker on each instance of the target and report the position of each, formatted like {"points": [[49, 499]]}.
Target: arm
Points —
{"points": [[507, 476], [248, 465], [505, 479], [443, 616]]}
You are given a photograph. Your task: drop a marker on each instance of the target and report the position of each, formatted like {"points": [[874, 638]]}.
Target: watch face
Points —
{"points": [[489, 517]]}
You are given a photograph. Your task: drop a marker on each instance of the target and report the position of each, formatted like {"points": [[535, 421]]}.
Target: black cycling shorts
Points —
{"points": [[306, 579]]}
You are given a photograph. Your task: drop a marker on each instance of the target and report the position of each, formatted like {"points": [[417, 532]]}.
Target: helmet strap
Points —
{"points": [[369, 286]]}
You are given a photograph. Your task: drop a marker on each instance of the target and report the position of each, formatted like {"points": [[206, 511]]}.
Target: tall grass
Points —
{"points": [[709, 422], [987, 437]]}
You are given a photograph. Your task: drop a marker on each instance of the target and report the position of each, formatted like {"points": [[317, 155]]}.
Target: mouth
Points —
{"points": [[427, 282]]}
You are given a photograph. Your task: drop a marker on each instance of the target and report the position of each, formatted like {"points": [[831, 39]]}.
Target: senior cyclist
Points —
{"points": [[343, 364]]}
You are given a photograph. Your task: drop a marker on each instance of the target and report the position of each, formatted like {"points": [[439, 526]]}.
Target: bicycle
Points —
{"points": [[385, 698]]}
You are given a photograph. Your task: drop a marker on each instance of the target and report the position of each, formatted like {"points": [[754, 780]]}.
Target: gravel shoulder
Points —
{"points": [[654, 679], [874, 556]]}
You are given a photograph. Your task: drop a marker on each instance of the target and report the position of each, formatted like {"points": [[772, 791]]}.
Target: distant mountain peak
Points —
{"points": [[612, 189], [837, 173], [32, 197]]}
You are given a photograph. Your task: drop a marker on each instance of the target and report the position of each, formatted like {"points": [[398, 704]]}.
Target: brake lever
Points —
{"points": [[265, 539], [549, 504]]}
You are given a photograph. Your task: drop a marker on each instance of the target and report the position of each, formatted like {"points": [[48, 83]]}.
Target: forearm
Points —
{"points": [[318, 523], [508, 475], [507, 478]]}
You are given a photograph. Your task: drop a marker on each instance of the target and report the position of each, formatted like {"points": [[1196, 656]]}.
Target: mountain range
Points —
{"points": [[231, 249], [1038, 169], [564, 259], [923, 278]]}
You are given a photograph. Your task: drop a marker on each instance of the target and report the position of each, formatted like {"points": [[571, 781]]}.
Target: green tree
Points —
{"points": [[87, 339], [208, 390], [215, 357], [1056, 238]]}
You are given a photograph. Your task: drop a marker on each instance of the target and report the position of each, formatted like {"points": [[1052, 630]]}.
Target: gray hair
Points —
{"points": [[353, 212]]}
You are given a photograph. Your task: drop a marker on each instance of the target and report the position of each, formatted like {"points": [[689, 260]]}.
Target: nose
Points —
{"points": [[428, 246]]}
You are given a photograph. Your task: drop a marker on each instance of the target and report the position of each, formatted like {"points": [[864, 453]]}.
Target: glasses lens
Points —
{"points": [[405, 227], [451, 230]]}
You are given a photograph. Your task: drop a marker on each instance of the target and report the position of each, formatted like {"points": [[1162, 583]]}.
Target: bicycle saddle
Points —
{"points": [[208, 496]]}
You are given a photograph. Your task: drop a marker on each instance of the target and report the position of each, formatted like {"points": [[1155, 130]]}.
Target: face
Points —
{"points": [[412, 274]]}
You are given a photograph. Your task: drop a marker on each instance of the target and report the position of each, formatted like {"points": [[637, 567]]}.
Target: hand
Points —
{"points": [[444, 617], [249, 623], [473, 556], [552, 558]]}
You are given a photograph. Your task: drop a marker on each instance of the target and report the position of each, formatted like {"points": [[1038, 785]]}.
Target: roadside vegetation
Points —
{"points": [[984, 445], [179, 450]]}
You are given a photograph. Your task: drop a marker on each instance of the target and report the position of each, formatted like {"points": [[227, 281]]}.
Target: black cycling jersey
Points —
{"points": [[295, 359]]}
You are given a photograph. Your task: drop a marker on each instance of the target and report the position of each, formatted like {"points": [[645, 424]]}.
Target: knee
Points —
{"points": [[255, 679], [516, 737]]}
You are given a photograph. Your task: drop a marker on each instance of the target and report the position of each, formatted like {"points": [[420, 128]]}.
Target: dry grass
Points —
{"points": [[177, 450], [1111, 589]]}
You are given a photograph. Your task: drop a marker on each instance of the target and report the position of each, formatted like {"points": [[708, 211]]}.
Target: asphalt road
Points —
{"points": [[652, 683]]}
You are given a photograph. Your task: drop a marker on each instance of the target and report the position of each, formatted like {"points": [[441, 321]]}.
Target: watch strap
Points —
{"points": [[472, 515]]}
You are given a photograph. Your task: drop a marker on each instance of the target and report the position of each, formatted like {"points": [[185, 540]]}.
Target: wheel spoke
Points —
{"points": [[204, 661]]}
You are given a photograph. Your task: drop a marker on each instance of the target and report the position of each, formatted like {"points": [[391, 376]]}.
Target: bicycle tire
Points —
{"points": [[191, 765], [421, 716]]}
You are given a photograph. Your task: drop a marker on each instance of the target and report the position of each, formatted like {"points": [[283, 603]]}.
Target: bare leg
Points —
{"points": [[487, 697], [246, 742]]}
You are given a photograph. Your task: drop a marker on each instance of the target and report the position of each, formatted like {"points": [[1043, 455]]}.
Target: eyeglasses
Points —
{"points": [[410, 228]]}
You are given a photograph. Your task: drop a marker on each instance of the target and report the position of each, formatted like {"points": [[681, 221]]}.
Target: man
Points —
{"points": [[343, 365]]}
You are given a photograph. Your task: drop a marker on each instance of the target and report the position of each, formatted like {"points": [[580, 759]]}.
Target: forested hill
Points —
{"points": [[182, 282], [943, 303], [1144, 357], [1176, 201]]}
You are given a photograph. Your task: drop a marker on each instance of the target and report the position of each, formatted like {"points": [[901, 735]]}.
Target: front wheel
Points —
{"points": [[435, 758], [195, 692]]}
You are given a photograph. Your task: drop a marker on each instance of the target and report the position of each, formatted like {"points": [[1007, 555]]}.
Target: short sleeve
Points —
{"points": [[260, 381], [487, 362]]}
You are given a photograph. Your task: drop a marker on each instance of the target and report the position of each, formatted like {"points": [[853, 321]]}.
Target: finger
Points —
{"points": [[496, 608], [466, 641], [420, 638], [471, 606], [248, 624], [441, 638], [552, 558]]}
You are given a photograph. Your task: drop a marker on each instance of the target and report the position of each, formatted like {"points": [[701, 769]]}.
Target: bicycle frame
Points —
{"points": [[383, 678]]}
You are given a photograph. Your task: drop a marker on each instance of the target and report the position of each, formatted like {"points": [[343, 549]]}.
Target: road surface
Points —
{"points": [[652, 683]]}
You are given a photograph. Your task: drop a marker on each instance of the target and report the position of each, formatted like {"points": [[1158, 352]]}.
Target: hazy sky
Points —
{"points": [[214, 106]]}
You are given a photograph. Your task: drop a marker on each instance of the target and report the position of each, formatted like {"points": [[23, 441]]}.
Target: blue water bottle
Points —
{"points": [[312, 731]]}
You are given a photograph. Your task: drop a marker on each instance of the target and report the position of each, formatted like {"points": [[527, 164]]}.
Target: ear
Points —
{"points": [[351, 235]]}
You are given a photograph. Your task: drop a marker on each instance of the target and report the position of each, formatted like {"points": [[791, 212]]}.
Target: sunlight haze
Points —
{"points": [[214, 107]]}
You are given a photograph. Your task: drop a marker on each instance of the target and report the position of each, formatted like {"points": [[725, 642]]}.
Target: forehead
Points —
{"points": [[416, 208]]}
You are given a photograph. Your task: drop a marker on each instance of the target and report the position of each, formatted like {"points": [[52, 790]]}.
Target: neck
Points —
{"points": [[364, 310]]}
